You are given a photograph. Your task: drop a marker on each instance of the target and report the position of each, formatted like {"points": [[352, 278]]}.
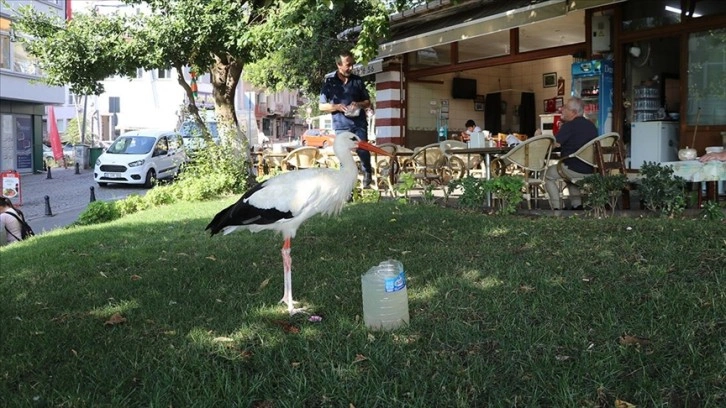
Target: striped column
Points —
{"points": [[389, 106]]}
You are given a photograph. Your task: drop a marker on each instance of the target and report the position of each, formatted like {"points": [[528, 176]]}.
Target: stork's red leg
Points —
{"points": [[287, 264]]}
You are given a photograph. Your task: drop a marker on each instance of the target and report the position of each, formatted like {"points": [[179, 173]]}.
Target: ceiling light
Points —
{"points": [[678, 11], [635, 51]]}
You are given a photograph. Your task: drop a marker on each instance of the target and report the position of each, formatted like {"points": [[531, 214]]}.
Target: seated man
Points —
{"points": [[574, 133]]}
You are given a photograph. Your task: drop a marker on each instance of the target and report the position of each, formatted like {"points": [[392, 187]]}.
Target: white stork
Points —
{"points": [[284, 202]]}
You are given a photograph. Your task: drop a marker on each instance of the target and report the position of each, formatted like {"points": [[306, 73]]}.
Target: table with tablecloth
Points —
{"points": [[694, 171]]}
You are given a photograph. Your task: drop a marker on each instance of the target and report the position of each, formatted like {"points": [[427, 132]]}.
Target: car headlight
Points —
{"points": [[137, 163], [98, 162]]}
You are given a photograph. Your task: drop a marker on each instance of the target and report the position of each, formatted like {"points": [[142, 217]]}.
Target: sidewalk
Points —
{"points": [[68, 195]]}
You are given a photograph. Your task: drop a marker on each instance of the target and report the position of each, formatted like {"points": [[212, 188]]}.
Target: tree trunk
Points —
{"points": [[192, 108], [226, 72]]}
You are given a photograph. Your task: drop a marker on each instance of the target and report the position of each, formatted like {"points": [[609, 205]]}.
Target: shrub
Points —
{"points": [[602, 191], [508, 190], [660, 190], [473, 191], [98, 212], [161, 195], [131, 204]]}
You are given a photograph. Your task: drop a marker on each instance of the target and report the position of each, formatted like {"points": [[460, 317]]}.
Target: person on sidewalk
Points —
{"points": [[11, 227], [345, 96], [573, 134]]}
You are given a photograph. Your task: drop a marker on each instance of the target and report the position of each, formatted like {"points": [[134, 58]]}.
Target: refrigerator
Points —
{"points": [[655, 141], [592, 81]]}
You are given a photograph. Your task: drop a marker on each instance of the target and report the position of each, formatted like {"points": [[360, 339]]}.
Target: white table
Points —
{"points": [[696, 172]]}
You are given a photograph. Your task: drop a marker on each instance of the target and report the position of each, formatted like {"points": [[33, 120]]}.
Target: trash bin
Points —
{"points": [[81, 152], [95, 153]]}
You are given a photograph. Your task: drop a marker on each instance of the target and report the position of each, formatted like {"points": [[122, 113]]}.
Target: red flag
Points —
{"points": [[55, 141], [69, 13]]}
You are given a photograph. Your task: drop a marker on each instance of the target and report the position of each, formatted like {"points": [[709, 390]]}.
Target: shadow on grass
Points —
{"points": [[504, 310]]}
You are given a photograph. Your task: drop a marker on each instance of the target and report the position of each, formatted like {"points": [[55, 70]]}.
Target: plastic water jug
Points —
{"points": [[385, 297]]}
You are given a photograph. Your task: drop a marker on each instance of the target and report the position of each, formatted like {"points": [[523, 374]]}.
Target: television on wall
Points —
{"points": [[463, 88]]}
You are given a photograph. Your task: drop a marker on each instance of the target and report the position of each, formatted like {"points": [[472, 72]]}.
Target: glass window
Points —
{"points": [[430, 57], [707, 77], [485, 46], [665, 12], [4, 51], [23, 62], [164, 73]]}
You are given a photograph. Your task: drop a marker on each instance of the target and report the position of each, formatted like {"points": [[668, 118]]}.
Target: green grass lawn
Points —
{"points": [[505, 311]]}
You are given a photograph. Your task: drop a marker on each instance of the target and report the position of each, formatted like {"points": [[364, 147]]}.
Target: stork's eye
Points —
{"points": [[354, 139]]}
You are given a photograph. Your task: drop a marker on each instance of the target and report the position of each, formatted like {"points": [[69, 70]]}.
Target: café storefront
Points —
{"points": [[514, 48]]}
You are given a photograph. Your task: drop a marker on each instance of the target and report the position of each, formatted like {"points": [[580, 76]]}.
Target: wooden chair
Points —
{"points": [[588, 154], [611, 160], [461, 164], [302, 158], [528, 159]]}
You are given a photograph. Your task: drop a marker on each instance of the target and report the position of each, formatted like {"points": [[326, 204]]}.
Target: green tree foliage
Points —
{"points": [[286, 44]]}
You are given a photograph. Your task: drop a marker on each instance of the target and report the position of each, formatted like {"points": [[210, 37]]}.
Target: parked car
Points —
{"points": [[318, 137], [192, 135], [141, 157]]}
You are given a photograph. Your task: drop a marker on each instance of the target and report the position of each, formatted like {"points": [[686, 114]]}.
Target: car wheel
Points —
{"points": [[102, 184], [150, 179], [325, 144]]}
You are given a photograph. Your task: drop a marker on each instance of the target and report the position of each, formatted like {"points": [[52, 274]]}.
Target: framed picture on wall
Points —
{"points": [[549, 80], [479, 103]]}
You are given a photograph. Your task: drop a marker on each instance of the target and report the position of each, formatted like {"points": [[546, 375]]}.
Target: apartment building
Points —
{"points": [[23, 99]]}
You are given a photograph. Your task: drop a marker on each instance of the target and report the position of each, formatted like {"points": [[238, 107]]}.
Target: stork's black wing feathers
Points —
{"points": [[242, 213]]}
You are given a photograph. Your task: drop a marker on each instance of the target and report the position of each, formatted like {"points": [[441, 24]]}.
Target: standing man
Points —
{"points": [[344, 95], [573, 134]]}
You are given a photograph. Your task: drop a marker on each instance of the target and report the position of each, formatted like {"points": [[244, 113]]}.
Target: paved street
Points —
{"points": [[69, 194]]}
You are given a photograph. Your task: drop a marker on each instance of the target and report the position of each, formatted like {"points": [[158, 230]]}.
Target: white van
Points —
{"points": [[141, 157]]}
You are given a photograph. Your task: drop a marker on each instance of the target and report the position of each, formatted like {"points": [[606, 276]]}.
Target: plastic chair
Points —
{"points": [[529, 159]]}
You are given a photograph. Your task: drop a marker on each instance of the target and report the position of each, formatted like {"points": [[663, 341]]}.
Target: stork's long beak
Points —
{"points": [[373, 149]]}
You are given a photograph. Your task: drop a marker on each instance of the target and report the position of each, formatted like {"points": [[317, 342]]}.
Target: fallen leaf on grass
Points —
{"points": [[263, 284], [287, 327], [627, 340], [115, 319], [359, 358], [562, 358], [295, 364], [623, 404], [526, 288], [222, 339], [135, 277], [211, 258], [103, 274]]}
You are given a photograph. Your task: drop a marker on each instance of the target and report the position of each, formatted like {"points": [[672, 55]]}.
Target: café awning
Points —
{"points": [[445, 22]]}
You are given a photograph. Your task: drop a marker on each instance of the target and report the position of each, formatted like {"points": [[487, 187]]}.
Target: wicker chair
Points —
{"points": [[302, 158], [461, 164], [428, 165], [528, 159]]}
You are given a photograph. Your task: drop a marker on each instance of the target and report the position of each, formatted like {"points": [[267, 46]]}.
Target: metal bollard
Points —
{"points": [[48, 212], [93, 194], [49, 176], [78, 168]]}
